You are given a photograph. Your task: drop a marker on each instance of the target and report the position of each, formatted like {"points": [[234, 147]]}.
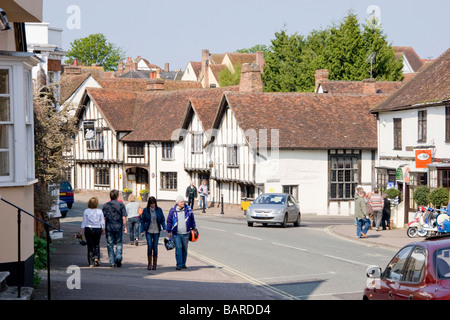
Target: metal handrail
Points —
{"points": [[47, 231]]}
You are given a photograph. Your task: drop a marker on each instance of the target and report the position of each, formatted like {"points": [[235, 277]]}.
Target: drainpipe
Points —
{"points": [[156, 168]]}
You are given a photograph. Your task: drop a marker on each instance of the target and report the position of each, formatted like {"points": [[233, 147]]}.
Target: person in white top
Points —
{"points": [[133, 219], [93, 226]]}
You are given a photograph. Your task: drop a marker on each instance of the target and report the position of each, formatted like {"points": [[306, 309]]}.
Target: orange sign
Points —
{"points": [[423, 157]]}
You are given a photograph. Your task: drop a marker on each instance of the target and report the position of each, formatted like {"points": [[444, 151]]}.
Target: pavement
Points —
{"points": [[73, 279]]}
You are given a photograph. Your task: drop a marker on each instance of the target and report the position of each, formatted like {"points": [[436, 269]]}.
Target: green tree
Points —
{"points": [[254, 49], [343, 49], [95, 49], [229, 78]]}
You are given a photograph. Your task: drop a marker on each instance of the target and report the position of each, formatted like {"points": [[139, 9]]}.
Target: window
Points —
{"points": [[197, 143], [135, 149], [444, 178], [167, 150], [344, 176], [442, 263], [101, 176], [6, 124], [394, 270], [422, 126], [169, 180], [414, 268], [97, 143], [233, 156], [292, 190], [397, 134]]}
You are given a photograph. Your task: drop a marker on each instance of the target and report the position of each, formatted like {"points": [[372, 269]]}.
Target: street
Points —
{"points": [[293, 263]]}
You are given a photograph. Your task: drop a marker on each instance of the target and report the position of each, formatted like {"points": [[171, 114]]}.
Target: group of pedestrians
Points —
{"points": [[114, 218], [371, 210], [202, 191]]}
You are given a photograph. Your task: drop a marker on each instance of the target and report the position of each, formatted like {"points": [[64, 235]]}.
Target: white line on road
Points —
{"points": [[243, 235], [215, 229], [290, 247]]}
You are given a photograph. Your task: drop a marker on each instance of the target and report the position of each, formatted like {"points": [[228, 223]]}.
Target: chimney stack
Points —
{"points": [[205, 68], [369, 86], [260, 60], [166, 67], [251, 78], [320, 75]]}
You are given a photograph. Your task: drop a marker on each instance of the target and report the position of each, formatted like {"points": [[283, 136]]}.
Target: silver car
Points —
{"points": [[274, 208]]}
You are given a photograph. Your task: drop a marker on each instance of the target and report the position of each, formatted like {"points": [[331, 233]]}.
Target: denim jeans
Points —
{"points": [[359, 226], [152, 243], [203, 202], [114, 238], [181, 249], [134, 226]]}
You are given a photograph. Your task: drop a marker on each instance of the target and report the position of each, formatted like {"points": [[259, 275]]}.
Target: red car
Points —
{"points": [[419, 271]]}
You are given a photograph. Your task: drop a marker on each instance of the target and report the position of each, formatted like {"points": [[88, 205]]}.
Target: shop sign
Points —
{"points": [[399, 174], [423, 158]]}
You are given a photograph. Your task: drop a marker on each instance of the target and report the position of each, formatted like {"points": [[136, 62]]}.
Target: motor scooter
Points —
{"points": [[424, 222]]}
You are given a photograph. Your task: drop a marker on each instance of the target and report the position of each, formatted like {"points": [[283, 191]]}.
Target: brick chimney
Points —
{"points": [[155, 85], [166, 67], [120, 67], [260, 60], [369, 86], [320, 75], [251, 78], [205, 68]]}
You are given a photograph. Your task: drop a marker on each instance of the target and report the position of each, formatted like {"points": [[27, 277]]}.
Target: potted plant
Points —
{"points": [[439, 197], [144, 195], [422, 196], [126, 193]]}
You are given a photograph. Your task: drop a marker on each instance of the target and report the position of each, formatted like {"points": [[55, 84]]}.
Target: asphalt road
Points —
{"points": [[303, 262], [298, 263]]}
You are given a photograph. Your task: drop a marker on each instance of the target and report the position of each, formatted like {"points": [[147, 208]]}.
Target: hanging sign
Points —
{"points": [[89, 130], [399, 174], [423, 157]]}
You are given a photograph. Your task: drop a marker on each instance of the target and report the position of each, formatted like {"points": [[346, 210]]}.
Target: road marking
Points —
{"points": [[290, 247], [246, 277], [328, 294], [215, 229], [300, 276], [346, 260], [243, 235]]}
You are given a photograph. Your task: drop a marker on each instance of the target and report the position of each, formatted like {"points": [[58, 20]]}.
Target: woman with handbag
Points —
{"points": [[152, 221]]}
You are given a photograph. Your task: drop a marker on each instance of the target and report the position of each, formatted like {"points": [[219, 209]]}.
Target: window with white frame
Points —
{"points": [[169, 181], [197, 142], [101, 176], [233, 156], [344, 175], [97, 143], [6, 124], [167, 150]]}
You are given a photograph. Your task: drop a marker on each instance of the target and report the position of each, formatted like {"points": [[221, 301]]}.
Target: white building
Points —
{"points": [[414, 134]]}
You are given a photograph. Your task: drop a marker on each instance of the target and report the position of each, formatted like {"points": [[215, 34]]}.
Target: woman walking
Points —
{"points": [[152, 220], [93, 226], [133, 219]]}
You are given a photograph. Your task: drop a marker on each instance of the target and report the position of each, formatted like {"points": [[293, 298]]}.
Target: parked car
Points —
{"points": [[279, 208], [66, 193], [63, 209], [419, 271]]}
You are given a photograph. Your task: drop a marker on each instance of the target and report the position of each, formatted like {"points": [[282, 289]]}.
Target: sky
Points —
{"points": [[176, 31]]}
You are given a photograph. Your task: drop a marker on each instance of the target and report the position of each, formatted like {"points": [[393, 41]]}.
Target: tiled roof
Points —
{"points": [[70, 83], [307, 120], [429, 86], [413, 58], [357, 87]]}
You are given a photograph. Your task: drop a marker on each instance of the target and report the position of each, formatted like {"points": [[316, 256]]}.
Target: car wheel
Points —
{"points": [[69, 205], [297, 222], [64, 214], [250, 224], [411, 232], [283, 224]]}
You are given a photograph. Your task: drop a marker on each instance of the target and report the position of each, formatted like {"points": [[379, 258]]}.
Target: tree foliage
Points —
{"points": [[95, 49], [53, 139], [343, 49], [229, 78]]}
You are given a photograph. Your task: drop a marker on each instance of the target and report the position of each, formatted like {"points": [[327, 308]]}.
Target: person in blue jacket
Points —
{"points": [[180, 222], [152, 221]]}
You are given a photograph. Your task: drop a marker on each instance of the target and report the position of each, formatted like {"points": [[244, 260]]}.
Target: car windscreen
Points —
{"points": [[270, 199]]}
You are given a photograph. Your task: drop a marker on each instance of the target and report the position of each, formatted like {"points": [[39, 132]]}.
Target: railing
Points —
{"points": [[19, 266]]}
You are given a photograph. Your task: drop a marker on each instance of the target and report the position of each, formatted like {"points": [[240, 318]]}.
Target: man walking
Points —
{"points": [[361, 214], [191, 194], [116, 223], [180, 222], [377, 204]]}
